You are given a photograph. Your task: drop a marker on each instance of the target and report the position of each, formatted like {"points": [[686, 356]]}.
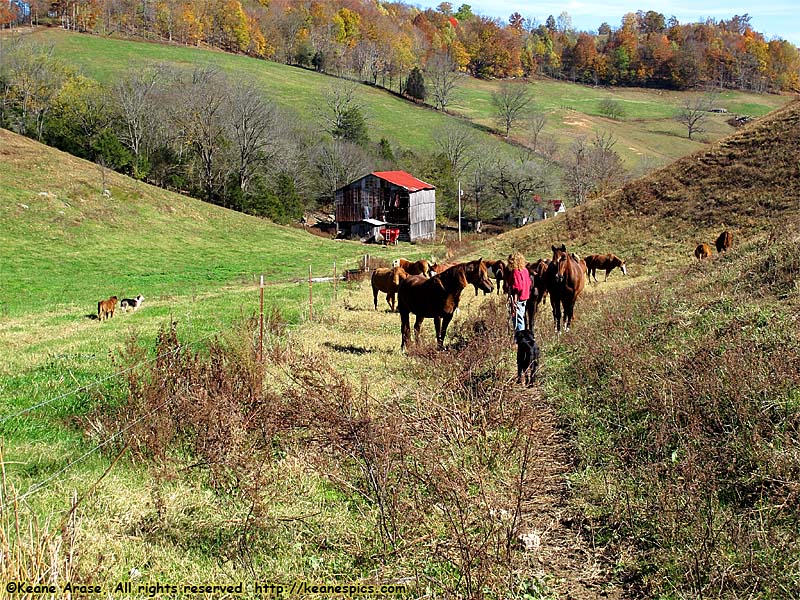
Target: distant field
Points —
{"points": [[646, 132]]}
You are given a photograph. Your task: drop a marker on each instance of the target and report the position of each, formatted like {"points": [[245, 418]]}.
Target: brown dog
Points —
{"points": [[702, 251]]}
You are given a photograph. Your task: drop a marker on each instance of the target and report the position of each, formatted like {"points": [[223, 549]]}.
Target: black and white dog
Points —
{"points": [[132, 303], [527, 356]]}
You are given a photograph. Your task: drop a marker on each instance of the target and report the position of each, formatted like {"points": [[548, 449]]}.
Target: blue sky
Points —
{"points": [[779, 18]]}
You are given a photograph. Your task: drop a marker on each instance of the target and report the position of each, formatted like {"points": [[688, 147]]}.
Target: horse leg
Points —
{"points": [[405, 329], [375, 297], [445, 322], [556, 304], [607, 272], [417, 327], [568, 307], [437, 323], [390, 300]]}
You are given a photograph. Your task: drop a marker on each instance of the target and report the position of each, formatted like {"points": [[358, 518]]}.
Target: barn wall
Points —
{"points": [[422, 214], [359, 200]]}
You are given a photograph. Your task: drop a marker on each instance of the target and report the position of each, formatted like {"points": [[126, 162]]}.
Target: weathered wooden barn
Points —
{"points": [[395, 198]]}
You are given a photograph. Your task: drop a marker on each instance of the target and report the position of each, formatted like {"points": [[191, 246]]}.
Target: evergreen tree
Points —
{"points": [[415, 85]]}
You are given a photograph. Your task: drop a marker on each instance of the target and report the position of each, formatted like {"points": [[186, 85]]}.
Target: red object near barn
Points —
{"points": [[390, 235]]}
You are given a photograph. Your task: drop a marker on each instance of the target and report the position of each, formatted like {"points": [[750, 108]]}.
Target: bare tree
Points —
{"points": [[510, 102], [536, 122], [337, 163], [479, 182], [592, 169], [456, 143], [136, 96], [442, 79], [252, 121], [694, 113], [199, 112], [518, 181]]}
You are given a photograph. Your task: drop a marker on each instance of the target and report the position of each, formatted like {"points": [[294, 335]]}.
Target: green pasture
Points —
{"points": [[647, 135], [66, 246], [404, 124]]}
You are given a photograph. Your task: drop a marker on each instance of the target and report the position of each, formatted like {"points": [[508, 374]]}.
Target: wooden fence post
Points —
{"points": [[261, 322]]}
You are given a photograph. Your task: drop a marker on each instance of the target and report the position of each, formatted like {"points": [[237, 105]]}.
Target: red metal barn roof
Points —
{"points": [[404, 180]]}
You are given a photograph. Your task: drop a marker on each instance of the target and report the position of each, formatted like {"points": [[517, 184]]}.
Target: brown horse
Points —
{"points": [[387, 281], [439, 268], [497, 269], [421, 267], [566, 277], [437, 297], [724, 241], [702, 251], [537, 271], [106, 308], [604, 262]]}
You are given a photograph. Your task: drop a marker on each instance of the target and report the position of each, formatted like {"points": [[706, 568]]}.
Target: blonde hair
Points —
{"points": [[516, 261]]}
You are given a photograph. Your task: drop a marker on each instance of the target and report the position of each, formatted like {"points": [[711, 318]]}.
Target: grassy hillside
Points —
{"points": [[647, 136], [679, 384], [66, 246], [292, 87], [646, 132]]}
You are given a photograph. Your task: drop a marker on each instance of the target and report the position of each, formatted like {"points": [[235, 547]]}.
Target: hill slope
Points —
{"points": [[647, 135], [679, 384], [747, 182]]}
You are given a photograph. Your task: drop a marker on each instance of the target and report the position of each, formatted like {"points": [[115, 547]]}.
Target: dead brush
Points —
{"points": [[471, 464], [683, 412], [446, 471], [33, 551]]}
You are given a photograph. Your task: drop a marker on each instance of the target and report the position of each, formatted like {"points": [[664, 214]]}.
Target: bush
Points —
{"points": [[612, 108]]}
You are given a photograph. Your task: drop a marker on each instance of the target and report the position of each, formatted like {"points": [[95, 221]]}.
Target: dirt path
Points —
{"points": [[365, 343], [556, 547]]}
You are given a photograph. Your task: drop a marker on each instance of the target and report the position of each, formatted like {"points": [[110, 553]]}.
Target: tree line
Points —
{"points": [[381, 42]]}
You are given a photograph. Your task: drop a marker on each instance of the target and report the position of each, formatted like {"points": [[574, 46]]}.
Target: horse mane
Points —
{"points": [[452, 273]]}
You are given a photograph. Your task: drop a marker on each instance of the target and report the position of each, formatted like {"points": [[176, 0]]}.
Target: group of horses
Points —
{"points": [[434, 291], [724, 241]]}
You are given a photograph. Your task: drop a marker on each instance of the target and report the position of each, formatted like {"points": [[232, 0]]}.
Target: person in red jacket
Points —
{"points": [[519, 290]]}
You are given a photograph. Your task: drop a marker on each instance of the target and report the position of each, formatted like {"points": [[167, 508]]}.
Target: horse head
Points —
{"points": [[478, 275], [561, 263], [398, 275]]}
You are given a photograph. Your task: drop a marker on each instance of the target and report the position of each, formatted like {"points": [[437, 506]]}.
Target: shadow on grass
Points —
{"points": [[348, 349]]}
